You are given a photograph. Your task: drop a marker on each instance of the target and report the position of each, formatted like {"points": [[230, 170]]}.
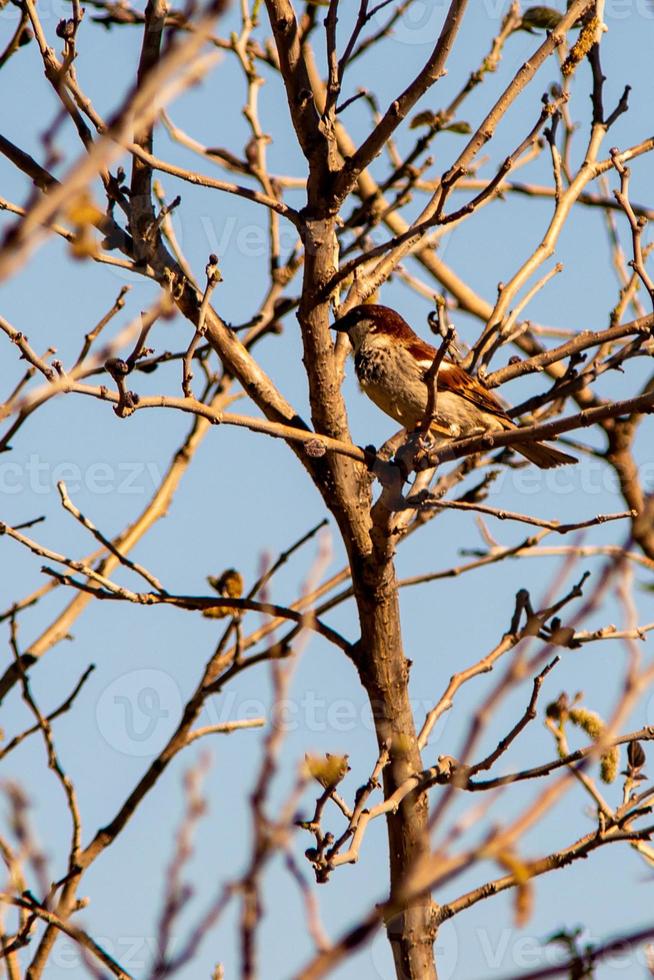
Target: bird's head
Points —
{"points": [[370, 320]]}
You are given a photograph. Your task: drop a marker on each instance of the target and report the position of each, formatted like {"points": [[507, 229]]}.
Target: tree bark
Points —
{"points": [[379, 656], [384, 673]]}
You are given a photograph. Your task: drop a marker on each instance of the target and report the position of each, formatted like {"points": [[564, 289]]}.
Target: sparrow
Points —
{"points": [[391, 362]]}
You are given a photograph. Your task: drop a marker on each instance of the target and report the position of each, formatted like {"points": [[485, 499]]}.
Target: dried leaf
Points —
{"points": [[533, 626], [83, 245], [327, 769], [636, 755], [562, 636], [460, 128], [540, 18], [82, 211], [558, 710], [425, 118], [230, 585], [523, 904]]}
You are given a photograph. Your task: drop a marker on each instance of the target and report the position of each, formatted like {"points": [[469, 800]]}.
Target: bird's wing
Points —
{"points": [[453, 378]]}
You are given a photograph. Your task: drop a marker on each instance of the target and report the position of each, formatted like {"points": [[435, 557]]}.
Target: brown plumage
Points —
{"points": [[391, 363]]}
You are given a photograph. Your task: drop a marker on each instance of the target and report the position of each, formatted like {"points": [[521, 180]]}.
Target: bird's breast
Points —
{"points": [[394, 381], [384, 379], [370, 366]]}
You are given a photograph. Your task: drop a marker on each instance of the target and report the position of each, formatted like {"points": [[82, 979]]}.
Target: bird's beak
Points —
{"points": [[342, 325]]}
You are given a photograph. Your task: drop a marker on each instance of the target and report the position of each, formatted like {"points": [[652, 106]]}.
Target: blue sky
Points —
{"points": [[247, 496]]}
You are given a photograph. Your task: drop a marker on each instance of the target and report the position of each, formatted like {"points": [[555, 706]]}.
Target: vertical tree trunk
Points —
{"points": [[384, 671]]}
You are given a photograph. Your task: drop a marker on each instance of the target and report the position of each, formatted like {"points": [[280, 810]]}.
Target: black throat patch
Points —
{"points": [[369, 365]]}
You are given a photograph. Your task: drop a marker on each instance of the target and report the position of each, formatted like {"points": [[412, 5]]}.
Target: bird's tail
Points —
{"points": [[544, 456]]}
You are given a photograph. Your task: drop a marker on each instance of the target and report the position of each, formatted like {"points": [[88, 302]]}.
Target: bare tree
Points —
{"points": [[356, 229]]}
